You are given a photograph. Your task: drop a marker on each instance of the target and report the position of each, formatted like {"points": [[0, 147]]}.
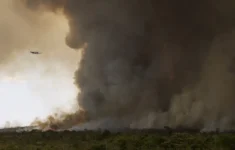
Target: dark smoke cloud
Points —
{"points": [[152, 63]]}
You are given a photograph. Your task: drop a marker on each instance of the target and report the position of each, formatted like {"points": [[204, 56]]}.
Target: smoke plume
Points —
{"points": [[152, 63]]}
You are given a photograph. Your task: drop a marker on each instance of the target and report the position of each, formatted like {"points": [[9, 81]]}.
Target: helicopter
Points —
{"points": [[33, 52]]}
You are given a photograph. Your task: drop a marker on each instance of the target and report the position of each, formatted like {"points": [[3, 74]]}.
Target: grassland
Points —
{"points": [[105, 140]]}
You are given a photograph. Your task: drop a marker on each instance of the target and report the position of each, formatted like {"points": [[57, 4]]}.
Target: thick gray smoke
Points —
{"points": [[152, 63]]}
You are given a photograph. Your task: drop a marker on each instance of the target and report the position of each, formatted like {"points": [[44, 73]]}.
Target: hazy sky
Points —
{"points": [[34, 85], [32, 92]]}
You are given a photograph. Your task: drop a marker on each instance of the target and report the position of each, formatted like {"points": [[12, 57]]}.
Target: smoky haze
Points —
{"points": [[151, 63], [21, 30], [17, 33], [28, 82]]}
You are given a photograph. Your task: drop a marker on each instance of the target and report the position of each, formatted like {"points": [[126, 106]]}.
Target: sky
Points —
{"points": [[34, 85], [32, 92]]}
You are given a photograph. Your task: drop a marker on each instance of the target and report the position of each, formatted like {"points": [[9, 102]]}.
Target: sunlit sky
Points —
{"points": [[36, 85], [33, 92]]}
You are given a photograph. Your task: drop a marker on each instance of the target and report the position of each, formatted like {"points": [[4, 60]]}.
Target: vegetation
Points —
{"points": [[105, 140]]}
